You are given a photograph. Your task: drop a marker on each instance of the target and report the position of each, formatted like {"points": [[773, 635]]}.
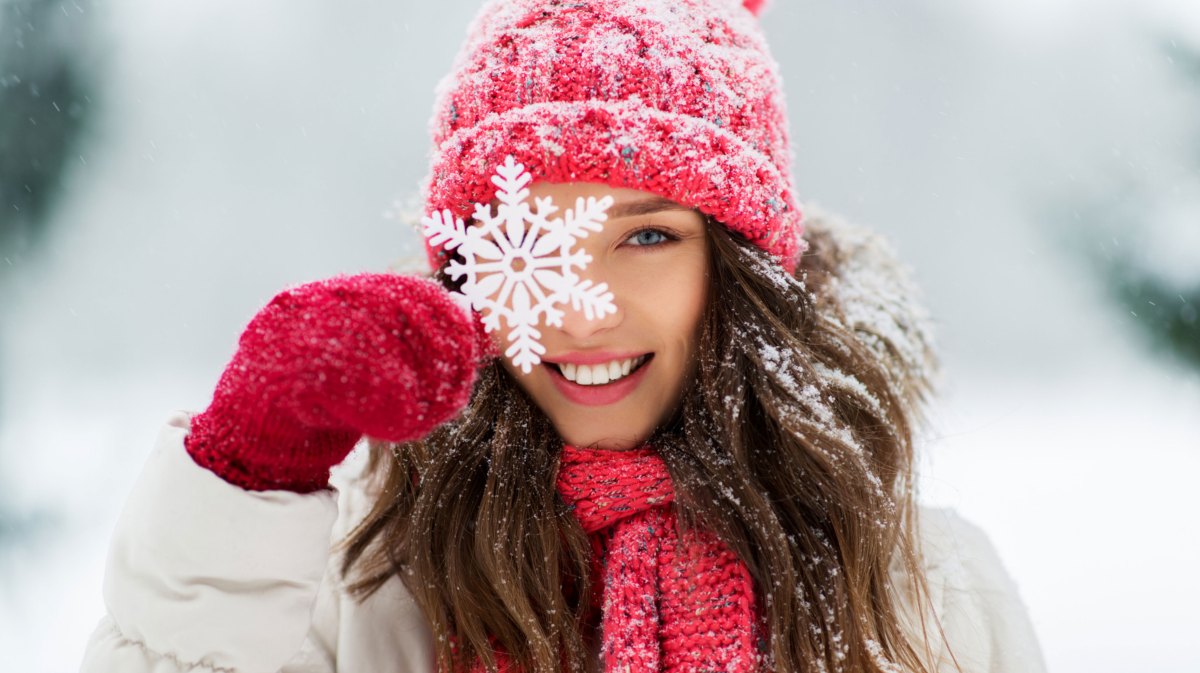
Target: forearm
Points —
{"points": [[202, 574]]}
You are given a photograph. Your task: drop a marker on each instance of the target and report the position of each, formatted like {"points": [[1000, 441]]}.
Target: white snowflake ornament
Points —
{"points": [[519, 264]]}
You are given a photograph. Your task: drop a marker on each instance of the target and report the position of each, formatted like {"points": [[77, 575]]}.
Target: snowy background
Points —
{"points": [[1010, 150]]}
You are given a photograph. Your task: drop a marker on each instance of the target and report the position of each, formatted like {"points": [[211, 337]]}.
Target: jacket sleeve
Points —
{"points": [[985, 627], [205, 576]]}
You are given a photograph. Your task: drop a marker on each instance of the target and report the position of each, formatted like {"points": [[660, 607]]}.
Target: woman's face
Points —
{"points": [[610, 381]]}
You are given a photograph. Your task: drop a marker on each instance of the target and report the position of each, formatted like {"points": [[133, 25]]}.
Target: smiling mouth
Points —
{"points": [[600, 374]]}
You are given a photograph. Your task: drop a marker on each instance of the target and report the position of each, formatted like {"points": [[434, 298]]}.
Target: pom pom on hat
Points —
{"points": [[756, 7]]}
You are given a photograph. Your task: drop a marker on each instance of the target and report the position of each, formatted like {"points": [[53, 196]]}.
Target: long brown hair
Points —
{"points": [[793, 444]]}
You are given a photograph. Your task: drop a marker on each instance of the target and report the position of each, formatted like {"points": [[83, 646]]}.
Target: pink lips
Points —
{"points": [[593, 358], [608, 393]]}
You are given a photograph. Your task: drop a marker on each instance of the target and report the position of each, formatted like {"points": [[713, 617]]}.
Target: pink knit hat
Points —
{"points": [[680, 98]]}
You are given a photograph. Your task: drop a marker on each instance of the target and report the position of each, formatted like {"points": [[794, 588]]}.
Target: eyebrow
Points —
{"points": [[643, 207]]}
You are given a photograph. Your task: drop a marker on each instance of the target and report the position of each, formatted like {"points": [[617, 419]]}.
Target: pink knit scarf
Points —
{"points": [[670, 602], [683, 604]]}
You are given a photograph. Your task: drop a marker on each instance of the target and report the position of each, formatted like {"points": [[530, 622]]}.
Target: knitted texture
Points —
{"points": [[322, 364], [680, 98], [671, 602]]}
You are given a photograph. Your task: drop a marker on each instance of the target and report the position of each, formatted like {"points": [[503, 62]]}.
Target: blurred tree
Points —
{"points": [[1166, 312], [47, 70], [1132, 227], [45, 102]]}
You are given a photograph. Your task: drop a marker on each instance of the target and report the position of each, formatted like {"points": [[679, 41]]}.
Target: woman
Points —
{"points": [[674, 435]]}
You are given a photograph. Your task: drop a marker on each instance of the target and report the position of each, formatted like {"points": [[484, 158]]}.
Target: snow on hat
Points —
{"points": [[680, 98]]}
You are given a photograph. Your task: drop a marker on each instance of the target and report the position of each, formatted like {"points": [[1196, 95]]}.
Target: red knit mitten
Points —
{"points": [[323, 364]]}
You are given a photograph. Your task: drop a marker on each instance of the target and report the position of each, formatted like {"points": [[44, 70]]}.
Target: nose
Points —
{"points": [[575, 321]]}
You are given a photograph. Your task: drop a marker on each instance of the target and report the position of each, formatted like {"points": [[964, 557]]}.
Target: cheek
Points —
{"points": [[686, 315], [534, 385], [670, 300]]}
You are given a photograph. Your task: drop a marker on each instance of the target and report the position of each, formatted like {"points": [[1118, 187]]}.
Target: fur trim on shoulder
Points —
{"points": [[875, 295]]}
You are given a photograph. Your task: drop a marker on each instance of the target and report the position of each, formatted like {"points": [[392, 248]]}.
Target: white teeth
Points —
{"points": [[599, 374], [596, 375]]}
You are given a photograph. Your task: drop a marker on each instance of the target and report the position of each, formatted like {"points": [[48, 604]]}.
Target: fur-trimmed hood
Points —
{"points": [[867, 288]]}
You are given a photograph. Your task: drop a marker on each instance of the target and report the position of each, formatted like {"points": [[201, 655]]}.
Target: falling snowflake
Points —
{"points": [[519, 264]]}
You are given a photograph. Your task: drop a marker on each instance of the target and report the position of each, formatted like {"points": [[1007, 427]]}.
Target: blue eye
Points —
{"points": [[647, 237]]}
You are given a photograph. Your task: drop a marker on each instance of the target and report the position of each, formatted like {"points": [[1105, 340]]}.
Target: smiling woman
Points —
{"points": [[748, 448], [699, 460]]}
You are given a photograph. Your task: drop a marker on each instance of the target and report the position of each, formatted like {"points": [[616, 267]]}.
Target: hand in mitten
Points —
{"points": [[322, 364]]}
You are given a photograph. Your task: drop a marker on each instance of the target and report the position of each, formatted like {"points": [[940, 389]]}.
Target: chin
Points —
{"points": [[599, 439]]}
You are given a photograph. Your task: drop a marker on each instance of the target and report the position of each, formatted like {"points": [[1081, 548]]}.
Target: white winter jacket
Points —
{"points": [[205, 576]]}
